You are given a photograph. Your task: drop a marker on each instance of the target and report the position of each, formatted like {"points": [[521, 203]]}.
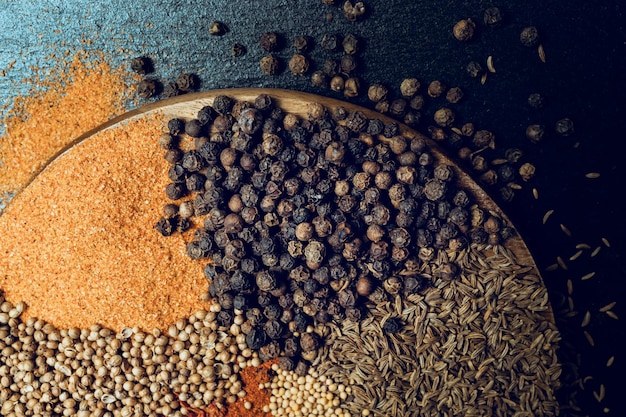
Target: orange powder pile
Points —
{"points": [[79, 246], [76, 97]]}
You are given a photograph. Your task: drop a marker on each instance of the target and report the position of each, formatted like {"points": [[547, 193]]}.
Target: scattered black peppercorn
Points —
{"points": [[392, 325], [529, 36], [298, 64], [187, 82], [564, 127], [330, 42], [536, 101], [493, 17], [171, 90], [147, 88], [270, 41], [217, 28], [142, 65], [474, 69], [270, 65], [238, 50], [463, 30]]}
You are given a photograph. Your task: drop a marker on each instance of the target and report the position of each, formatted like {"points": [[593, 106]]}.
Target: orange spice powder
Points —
{"points": [[75, 97], [79, 246]]}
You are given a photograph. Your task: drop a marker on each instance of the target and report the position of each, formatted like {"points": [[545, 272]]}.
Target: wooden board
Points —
{"points": [[187, 106]]}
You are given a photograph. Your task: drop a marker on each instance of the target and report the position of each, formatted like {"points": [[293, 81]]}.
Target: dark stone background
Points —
{"points": [[585, 44]]}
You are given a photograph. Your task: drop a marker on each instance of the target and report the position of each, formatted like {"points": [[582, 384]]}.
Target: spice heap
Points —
{"points": [[303, 218], [42, 123], [83, 234], [482, 344], [95, 371], [299, 396]]}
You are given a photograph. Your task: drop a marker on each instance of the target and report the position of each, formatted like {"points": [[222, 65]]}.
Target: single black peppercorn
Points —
{"points": [[176, 126], [171, 90], [194, 128], [147, 88], [270, 41], [474, 69], [238, 50], [217, 28], [187, 82], [175, 190], [256, 338], [270, 65], [529, 36], [493, 17], [330, 42], [564, 127], [463, 30], [298, 64], [392, 325], [535, 100], [302, 43], [142, 65], [166, 226]]}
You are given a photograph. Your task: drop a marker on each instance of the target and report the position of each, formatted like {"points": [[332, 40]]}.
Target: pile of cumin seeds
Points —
{"points": [[484, 344]]}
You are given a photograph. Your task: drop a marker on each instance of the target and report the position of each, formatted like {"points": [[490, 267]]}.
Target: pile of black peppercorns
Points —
{"points": [[305, 219]]}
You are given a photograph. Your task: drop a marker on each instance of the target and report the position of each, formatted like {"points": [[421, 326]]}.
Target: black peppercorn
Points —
{"points": [[256, 338], [474, 69], [298, 64], [187, 82], [176, 126], [529, 36], [535, 100], [217, 28], [171, 90], [166, 226], [193, 161], [463, 30], [564, 127], [175, 190], [142, 65], [493, 17], [238, 50], [147, 88], [195, 182], [270, 41], [392, 325]]}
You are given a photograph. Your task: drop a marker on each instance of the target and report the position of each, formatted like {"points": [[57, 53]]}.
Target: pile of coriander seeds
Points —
{"points": [[300, 219]]}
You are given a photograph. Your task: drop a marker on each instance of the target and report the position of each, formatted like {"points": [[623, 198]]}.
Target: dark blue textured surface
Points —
{"points": [[583, 79]]}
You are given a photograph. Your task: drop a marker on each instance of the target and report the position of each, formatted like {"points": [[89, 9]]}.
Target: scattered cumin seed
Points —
{"points": [[610, 361], [576, 255], [583, 246], [552, 267], [587, 276], [483, 79], [561, 263], [586, 319], [606, 242], [592, 343], [535, 194], [592, 175], [612, 315], [542, 53], [457, 131], [547, 216], [565, 230], [595, 251], [608, 307], [490, 66]]}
